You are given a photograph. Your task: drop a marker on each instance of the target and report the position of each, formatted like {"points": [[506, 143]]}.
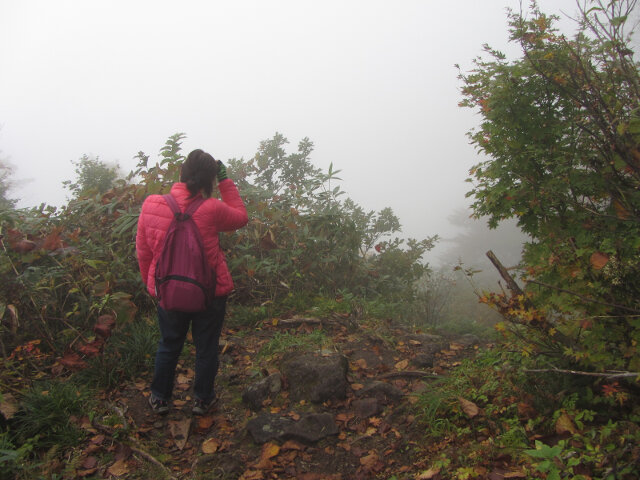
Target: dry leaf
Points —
{"points": [[429, 474], [369, 461], [90, 462], [292, 445], [8, 406], [361, 362], [210, 445], [468, 407], [118, 468], [401, 365], [357, 386], [180, 432], [269, 450], [599, 260], [204, 423], [564, 424]]}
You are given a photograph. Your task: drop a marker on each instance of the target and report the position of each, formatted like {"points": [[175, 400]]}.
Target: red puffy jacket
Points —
{"points": [[212, 217]]}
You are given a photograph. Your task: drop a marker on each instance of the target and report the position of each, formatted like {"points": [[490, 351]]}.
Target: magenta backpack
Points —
{"points": [[185, 282]]}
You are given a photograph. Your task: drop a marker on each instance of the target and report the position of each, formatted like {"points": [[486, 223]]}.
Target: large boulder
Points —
{"points": [[316, 378]]}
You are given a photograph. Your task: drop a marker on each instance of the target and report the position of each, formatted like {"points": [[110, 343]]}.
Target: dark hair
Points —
{"points": [[199, 171]]}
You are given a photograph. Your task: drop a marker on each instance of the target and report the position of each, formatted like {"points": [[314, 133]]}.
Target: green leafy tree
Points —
{"points": [[561, 130], [6, 171], [93, 176]]}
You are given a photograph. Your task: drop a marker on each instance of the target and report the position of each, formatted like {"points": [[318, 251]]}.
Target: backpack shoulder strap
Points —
{"points": [[173, 205]]}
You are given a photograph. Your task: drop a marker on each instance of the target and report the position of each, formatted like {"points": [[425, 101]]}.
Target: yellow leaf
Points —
{"points": [[429, 474], [564, 424], [210, 445], [270, 450], [118, 468], [402, 364]]}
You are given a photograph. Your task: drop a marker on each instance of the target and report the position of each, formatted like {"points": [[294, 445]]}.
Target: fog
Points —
{"points": [[371, 83]]}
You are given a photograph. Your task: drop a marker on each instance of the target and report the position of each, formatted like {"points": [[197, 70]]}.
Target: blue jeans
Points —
{"points": [[205, 328]]}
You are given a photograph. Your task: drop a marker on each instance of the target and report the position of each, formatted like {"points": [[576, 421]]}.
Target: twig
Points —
{"points": [[582, 297], [408, 374], [146, 455], [287, 322], [589, 374]]}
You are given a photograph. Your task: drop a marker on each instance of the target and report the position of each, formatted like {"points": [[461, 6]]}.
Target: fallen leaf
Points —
{"points": [[86, 472], [252, 475], [269, 450], [369, 461], [118, 468], [204, 423], [90, 462], [8, 406], [468, 407], [180, 431], [361, 362], [292, 445], [357, 386], [210, 445], [599, 260], [402, 364], [429, 474], [564, 424]]}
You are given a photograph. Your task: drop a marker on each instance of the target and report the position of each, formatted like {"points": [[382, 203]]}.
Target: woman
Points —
{"points": [[197, 177]]}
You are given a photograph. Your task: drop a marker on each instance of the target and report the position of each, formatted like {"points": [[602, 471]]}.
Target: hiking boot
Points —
{"points": [[158, 406], [200, 407]]}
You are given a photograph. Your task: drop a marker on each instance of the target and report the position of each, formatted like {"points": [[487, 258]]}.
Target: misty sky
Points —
{"points": [[371, 83]]}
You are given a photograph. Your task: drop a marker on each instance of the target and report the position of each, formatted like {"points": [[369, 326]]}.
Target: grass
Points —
{"points": [[44, 419], [284, 342], [128, 353]]}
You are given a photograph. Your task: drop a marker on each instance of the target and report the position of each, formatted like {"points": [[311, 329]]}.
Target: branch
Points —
{"points": [[588, 374], [586, 299], [408, 374]]}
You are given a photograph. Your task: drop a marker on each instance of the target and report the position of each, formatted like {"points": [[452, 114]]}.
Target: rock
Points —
{"points": [[468, 340], [315, 378], [367, 407], [429, 344], [382, 391], [310, 428], [423, 360], [268, 427], [258, 392]]}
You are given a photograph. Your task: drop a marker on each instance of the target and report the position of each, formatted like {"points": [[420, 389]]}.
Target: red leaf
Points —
{"points": [[72, 361]]}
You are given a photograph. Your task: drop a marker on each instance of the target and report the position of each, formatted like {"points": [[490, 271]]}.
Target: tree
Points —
{"points": [[93, 176], [561, 129], [6, 171]]}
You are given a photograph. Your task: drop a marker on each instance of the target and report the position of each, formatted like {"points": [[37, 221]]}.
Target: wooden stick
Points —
{"points": [[408, 374], [589, 374], [147, 456], [511, 283]]}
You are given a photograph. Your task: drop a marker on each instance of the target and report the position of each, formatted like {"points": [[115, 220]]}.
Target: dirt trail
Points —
{"points": [[218, 445]]}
